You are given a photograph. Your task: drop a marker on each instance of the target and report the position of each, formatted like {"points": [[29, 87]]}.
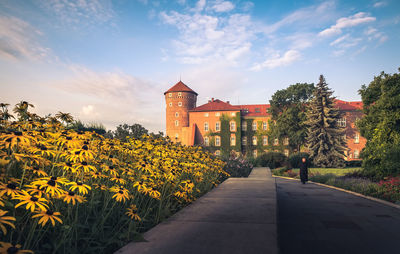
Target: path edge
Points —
{"points": [[347, 191]]}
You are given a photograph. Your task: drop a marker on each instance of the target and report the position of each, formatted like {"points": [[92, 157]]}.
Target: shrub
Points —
{"points": [[238, 166], [271, 160], [295, 159], [322, 178], [353, 164], [391, 188]]}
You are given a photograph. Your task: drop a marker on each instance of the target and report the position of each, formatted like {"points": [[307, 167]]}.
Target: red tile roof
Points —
{"points": [[180, 87], [216, 105], [349, 105], [254, 110]]}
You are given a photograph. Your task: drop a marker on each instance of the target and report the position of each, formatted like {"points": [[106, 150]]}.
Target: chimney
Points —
{"points": [[227, 102], [212, 99]]}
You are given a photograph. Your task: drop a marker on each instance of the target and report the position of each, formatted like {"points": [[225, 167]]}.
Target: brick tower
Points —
{"points": [[179, 100]]}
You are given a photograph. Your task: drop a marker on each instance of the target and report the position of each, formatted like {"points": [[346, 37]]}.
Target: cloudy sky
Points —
{"points": [[109, 61]]}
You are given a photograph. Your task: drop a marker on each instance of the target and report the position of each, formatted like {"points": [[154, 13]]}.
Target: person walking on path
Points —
{"points": [[303, 170]]}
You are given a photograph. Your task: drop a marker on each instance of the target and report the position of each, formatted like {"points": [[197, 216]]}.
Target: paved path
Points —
{"points": [[316, 219], [239, 216]]}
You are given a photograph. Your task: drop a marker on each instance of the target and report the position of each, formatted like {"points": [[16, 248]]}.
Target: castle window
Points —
{"points": [[217, 126], [244, 141], [264, 126], [257, 110], [342, 122], [179, 94], [233, 140], [356, 138], [176, 114], [206, 141], [180, 104], [286, 152], [254, 140], [176, 123], [356, 154], [217, 141], [217, 114], [286, 141], [254, 126], [276, 142], [206, 126], [265, 140], [206, 114], [244, 126], [218, 152], [232, 125], [170, 94], [233, 114], [170, 104], [255, 153]]}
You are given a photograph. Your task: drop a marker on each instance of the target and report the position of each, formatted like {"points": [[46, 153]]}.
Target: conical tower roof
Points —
{"points": [[180, 87]]}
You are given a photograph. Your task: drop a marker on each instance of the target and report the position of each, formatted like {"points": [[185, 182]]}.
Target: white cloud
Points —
{"points": [[339, 40], [302, 16], [200, 5], [80, 13], [379, 4], [354, 20], [374, 34], [224, 6], [88, 110], [204, 38], [18, 40], [278, 60]]}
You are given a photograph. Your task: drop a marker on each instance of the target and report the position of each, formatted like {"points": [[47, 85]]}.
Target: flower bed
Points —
{"points": [[77, 192]]}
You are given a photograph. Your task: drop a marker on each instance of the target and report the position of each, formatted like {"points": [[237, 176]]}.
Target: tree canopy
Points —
{"points": [[288, 113], [325, 137], [381, 125]]}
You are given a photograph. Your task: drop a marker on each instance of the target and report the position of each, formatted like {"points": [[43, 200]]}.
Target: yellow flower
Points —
{"points": [[48, 216], [12, 248], [72, 197], [82, 188], [118, 179], [31, 201], [121, 194], [9, 189], [52, 185], [5, 220], [16, 137], [85, 167], [37, 171], [131, 212]]}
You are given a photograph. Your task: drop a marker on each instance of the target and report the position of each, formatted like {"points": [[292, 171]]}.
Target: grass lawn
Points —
{"points": [[335, 171]]}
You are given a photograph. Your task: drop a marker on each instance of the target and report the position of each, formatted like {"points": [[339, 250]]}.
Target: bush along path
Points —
{"points": [[317, 219], [66, 191]]}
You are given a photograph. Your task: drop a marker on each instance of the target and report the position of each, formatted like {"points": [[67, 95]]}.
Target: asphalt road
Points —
{"points": [[316, 219]]}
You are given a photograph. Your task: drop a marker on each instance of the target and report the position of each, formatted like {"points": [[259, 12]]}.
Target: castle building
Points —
{"points": [[225, 128]]}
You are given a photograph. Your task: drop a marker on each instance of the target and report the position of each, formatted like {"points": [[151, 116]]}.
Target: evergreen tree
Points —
{"points": [[325, 137]]}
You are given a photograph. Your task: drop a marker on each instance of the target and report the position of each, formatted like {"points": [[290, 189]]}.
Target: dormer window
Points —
{"points": [[257, 110]]}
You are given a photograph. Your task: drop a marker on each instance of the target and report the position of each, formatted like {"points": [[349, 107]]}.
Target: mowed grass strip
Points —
{"points": [[324, 171]]}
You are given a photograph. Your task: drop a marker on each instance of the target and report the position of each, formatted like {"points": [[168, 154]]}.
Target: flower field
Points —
{"points": [[63, 191]]}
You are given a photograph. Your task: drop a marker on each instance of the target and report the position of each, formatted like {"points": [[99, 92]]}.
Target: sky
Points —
{"points": [[110, 61]]}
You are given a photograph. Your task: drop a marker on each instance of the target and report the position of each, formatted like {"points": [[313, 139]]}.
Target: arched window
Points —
{"points": [[233, 140], [217, 126], [176, 123], [176, 114], [217, 141], [206, 126]]}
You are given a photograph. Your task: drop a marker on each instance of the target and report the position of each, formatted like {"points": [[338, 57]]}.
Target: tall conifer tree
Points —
{"points": [[325, 137]]}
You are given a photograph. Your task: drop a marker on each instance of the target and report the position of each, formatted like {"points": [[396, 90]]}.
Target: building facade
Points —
{"points": [[225, 128]]}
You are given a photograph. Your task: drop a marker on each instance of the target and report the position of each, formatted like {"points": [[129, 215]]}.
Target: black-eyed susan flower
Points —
{"points": [[36, 190], [84, 167], [82, 188], [121, 194], [12, 248], [5, 220], [118, 179], [36, 170], [132, 213], [46, 216], [72, 197], [52, 185], [15, 138], [10, 189], [31, 201]]}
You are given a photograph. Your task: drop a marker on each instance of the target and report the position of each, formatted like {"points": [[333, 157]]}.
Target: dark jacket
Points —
{"points": [[303, 171]]}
